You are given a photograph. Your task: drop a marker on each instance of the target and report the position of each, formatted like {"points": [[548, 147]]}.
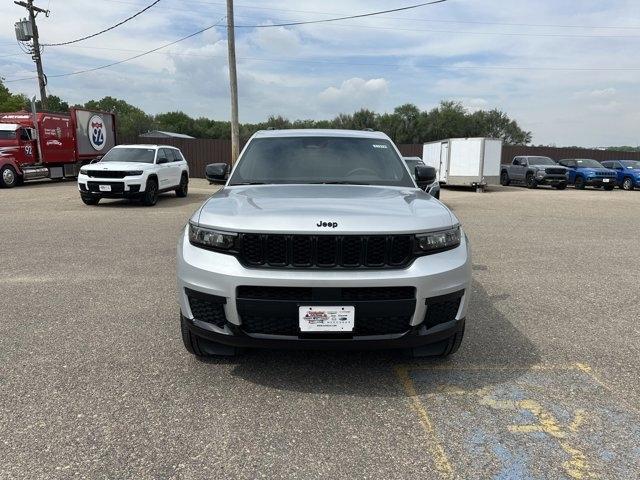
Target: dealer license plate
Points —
{"points": [[105, 188], [605, 180], [327, 319]]}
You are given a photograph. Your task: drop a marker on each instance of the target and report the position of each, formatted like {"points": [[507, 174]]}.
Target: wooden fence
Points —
{"points": [[510, 151], [199, 152]]}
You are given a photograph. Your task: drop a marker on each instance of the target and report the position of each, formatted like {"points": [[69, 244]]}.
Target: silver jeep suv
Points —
{"points": [[322, 239]]}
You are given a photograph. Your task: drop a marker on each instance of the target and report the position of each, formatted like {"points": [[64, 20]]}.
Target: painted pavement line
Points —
{"points": [[442, 463]]}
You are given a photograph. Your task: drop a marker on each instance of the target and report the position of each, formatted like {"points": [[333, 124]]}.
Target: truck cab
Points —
{"points": [[17, 147]]}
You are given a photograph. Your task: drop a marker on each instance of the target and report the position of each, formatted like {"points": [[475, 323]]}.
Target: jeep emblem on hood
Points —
{"points": [[327, 224]]}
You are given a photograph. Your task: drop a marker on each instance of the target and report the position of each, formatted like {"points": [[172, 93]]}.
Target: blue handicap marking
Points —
{"points": [[537, 422]]}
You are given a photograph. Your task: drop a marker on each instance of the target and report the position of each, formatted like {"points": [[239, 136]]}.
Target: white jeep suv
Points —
{"points": [[135, 171]]}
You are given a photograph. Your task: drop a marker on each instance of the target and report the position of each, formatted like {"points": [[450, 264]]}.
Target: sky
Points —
{"points": [[566, 70]]}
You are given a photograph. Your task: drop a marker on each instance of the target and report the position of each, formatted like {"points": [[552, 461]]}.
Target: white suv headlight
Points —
{"points": [[445, 239], [212, 239]]}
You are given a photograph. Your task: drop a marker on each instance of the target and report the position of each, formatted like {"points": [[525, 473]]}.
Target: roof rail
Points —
{"points": [[368, 129]]}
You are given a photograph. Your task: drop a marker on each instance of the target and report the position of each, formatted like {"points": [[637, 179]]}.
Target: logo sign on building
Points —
{"points": [[97, 132]]}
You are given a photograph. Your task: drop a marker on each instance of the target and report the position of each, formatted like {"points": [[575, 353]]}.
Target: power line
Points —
{"points": [[384, 65], [349, 17], [549, 25], [103, 31], [78, 72]]}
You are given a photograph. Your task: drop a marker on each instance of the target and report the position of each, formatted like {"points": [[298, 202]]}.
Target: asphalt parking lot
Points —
{"points": [[95, 382]]}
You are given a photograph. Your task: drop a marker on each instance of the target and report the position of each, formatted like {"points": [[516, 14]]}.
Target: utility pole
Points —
{"points": [[233, 80], [42, 79]]}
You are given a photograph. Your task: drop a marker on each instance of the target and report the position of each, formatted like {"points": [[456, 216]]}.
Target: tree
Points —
{"points": [[497, 124], [178, 122], [54, 104], [130, 120], [11, 102]]}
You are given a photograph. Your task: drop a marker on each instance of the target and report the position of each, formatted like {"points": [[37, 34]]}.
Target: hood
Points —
{"points": [[596, 170], [345, 209], [117, 166], [549, 166]]}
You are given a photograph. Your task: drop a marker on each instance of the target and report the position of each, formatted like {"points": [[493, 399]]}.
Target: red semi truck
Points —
{"points": [[52, 145]]}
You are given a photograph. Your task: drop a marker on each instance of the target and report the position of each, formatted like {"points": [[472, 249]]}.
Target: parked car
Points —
{"points": [[135, 171], [533, 171], [320, 239], [585, 172], [432, 189], [627, 172]]}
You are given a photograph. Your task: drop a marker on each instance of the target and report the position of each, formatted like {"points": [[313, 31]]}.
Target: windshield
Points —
{"points": [[588, 163], [631, 164], [7, 134], [541, 161], [305, 160], [140, 155]]}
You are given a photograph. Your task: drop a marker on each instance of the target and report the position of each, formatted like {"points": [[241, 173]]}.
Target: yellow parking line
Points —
{"points": [[508, 368], [440, 458]]}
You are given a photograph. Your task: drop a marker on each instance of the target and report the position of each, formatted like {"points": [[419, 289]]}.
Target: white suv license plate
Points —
{"points": [[105, 188], [605, 180], [326, 319]]}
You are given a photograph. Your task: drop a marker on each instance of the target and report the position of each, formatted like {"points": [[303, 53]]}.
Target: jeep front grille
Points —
{"points": [[325, 251], [106, 174]]}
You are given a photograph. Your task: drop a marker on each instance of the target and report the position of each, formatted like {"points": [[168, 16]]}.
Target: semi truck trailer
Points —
{"points": [[52, 145]]}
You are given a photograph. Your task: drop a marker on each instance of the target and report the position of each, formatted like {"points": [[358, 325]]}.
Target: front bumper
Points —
{"points": [[600, 182], [128, 187], [220, 275], [551, 179]]}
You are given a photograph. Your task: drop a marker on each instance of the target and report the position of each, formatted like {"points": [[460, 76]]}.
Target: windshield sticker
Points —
{"points": [[375, 145]]}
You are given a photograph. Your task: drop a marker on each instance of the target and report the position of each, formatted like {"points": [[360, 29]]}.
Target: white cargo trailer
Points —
{"points": [[472, 162]]}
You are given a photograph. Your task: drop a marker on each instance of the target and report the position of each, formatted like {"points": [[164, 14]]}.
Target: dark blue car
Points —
{"points": [[628, 172], [588, 172]]}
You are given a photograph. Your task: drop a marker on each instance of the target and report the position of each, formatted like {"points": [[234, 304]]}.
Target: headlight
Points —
{"points": [[84, 172], [429, 242], [541, 173], [134, 173], [213, 239]]}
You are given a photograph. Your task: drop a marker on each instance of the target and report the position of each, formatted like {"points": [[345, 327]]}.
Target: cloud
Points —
{"points": [[355, 93], [562, 83]]}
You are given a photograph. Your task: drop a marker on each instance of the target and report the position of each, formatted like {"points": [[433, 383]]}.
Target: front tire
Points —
{"points": [[504, 179], [441, 349], [183, 188], [580, 183], [627, 183], [150, 196], [90, 199], [8, 177], [531, 181]]}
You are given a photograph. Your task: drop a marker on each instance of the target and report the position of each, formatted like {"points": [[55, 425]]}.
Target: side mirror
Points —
{"points": [[96, 159], [162, 160], [425, 175], [217, 173]]}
